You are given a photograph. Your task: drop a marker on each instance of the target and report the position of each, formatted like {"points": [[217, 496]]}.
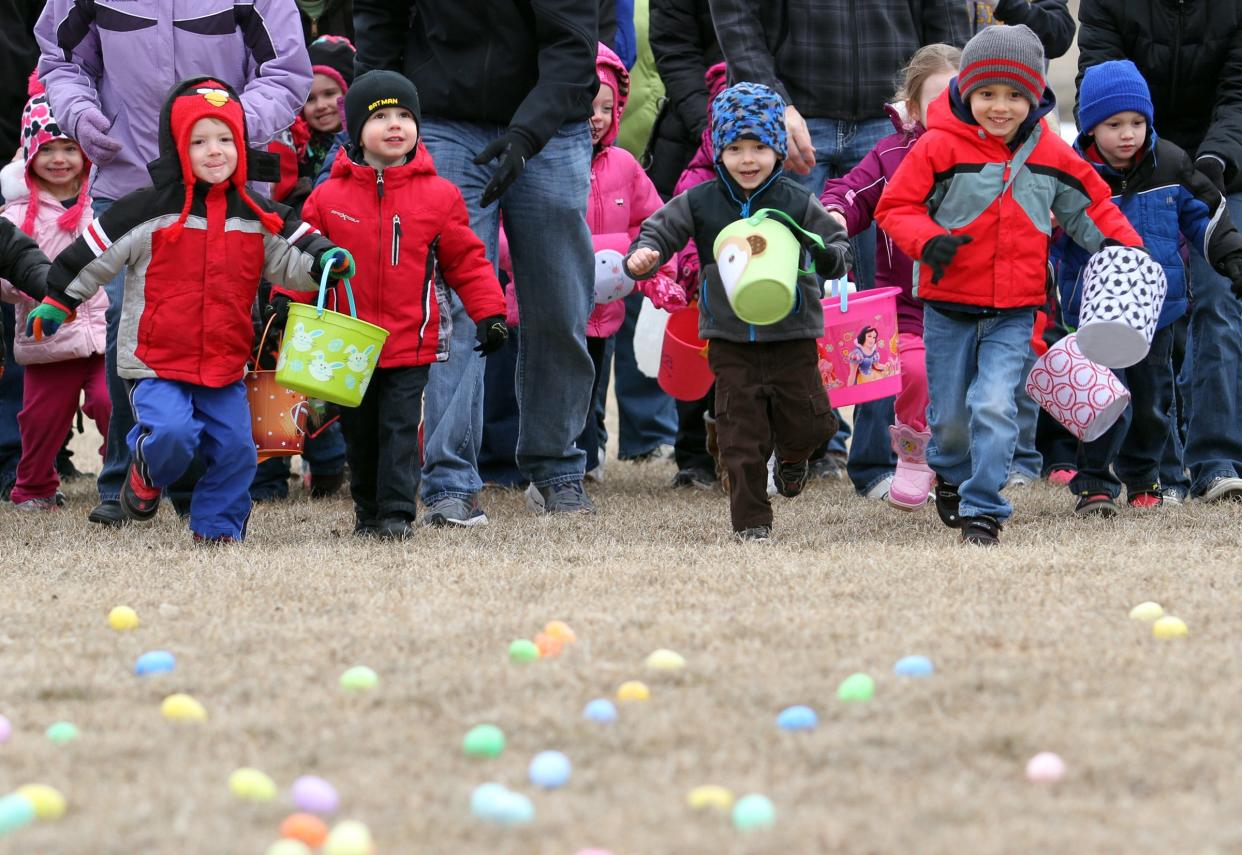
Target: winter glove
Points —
{"points": [[667, 295], [491, 334], [939, 251], [92, 132], [829, 261], [1211, 166], [278, 309], [513, 148], [1233, 269], [342, 263], [45, 319]]}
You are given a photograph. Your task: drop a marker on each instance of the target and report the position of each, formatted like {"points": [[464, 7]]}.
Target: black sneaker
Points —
{"points": [[110, 513], [755, 534], [566, 498], [981, 531], [693, 476], [394, 528], [1095, 505], [790, 477], [947, 503], [326, 486], [139, 499]]}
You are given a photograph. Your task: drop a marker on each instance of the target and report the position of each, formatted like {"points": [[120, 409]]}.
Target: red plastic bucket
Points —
{"points": [[858, 358], [684, 372]]}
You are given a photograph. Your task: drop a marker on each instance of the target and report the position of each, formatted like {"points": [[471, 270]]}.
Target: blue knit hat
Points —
{"points": [[1110, 88], [748, 109]]}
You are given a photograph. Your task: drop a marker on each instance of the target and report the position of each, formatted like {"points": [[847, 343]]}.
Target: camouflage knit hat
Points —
{"points": [[748, 110]]}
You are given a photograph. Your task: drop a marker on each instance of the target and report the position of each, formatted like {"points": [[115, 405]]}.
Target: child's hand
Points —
{"points": [[669, 296], [642, 261], [342, 263], [939, 251], [45, 319]]}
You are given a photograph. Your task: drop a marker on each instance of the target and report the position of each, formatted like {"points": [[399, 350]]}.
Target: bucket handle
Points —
{"points": [[329, 257], [839, 290], [258, 348]]}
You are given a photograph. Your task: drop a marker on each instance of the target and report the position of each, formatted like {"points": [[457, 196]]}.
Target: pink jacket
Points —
{"points": [[86, 335]]}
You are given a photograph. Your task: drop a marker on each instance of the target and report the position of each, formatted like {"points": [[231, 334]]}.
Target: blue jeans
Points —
{"points": [[10, 401], [1026, 457], [116, 452], [973, 366], [646, 414], [839, 146], [1213, 397], [545, 221]]}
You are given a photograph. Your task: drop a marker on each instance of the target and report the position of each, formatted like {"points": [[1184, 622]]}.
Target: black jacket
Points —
{"points": [[1190, 52], [1049, 19], [337, 20], [19, 53], [23, 264], [527, 64]]}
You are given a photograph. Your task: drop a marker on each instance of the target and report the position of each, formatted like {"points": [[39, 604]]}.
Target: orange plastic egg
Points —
{"points": [[548, 645], [560, 629], [305, 827]]}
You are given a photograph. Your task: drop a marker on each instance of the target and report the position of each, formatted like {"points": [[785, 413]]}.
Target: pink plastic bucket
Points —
{"points": [[1085, 397], [858, 354], [684, 372]]}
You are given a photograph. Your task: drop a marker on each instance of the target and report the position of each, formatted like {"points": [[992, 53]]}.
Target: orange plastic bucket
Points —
{"points": [[684, 372], [277, 416]]}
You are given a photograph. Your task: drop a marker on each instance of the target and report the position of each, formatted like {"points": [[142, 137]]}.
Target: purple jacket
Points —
{"points": [[855, 195], [123, 56]]}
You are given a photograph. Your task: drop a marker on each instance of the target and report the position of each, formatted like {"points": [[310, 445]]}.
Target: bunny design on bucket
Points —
{"points": [[303, 339], [358, 360], [612, 283], [320, 368]]}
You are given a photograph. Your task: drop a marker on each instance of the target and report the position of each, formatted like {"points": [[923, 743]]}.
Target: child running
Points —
{"points": [[194, 247], [768, 389], [988, 170]]}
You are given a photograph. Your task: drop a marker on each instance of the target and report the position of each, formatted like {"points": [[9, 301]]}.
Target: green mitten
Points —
{"points": [[45, 319], [342, 263]]}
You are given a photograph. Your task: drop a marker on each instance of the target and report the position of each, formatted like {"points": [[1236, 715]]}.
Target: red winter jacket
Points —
{"points": [[960, 180], [403, 233]]}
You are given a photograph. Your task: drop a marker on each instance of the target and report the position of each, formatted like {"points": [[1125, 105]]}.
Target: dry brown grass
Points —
{"points": [[1032, 643]]}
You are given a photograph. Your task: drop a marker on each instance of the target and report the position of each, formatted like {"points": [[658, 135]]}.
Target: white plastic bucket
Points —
{"points": [[1122, 294]]}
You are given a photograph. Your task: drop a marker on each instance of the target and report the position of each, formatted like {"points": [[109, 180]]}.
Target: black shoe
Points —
{"points": [[109, 513], [394, 528], [981, 531], [1095, 504], [755, 534], [139, 500], [326, 486], [831, 466], [790, 477], [693, 476], [947, 503]]}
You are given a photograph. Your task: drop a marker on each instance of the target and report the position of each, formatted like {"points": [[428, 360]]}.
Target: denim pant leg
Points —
{"points": [[1213, 441], [951, 366], [1151, 389], [1172, 461], [1026, 457], [647, 415], [498, 451], [116, 453], [10, 401], [545, 221]]}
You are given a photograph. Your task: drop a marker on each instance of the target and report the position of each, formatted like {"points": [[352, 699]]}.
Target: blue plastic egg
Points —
{"points": [[601, 710], [155, 662], [550, 770], [914, 666], [797, 718]]}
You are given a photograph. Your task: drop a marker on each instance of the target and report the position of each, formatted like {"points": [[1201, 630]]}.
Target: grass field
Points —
{"points": [[1032, 643]]}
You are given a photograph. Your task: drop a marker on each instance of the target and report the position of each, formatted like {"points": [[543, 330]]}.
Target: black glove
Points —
{"points": [[939, 251], [491, 334], [513, 148], [1233, 269], [1111, 242], [1214, 170], [829, 261], [278, 308]]}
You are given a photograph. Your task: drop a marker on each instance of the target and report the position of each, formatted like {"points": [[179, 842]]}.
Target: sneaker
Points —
{"points": [[451, 510], [1145, 500], [1017, 480], [365, 528], [1172, 497], [109, 513], [394, 528], [693, 476], [947, 503], [913, 480], [564, 498], [880, 490], [1095, 504], [326, 486], [139, 499], [1061, 476], [830, 466], [218, 540], [981, 531], [43, 503], [596, 475], [790, 477], [755, 534], [1225, 488], [660, 452]]}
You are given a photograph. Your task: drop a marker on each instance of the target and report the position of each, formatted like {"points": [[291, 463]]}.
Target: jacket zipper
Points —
{"points": [[429, 287], [379, 292], [396, 238]]}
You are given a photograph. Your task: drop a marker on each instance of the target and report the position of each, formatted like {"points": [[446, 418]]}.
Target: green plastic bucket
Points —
{"points": [[326, 354], [757, 258]]}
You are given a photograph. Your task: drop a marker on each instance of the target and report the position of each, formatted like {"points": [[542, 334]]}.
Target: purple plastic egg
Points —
{"points": [[315, 795]]}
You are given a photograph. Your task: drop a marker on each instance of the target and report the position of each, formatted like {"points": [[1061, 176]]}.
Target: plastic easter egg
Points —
{"points": [[1169, 627], [251, 785], [484, 798], [548, 646], [314, 795], [710, 796], [15, 811], [1148, 612], [560, 629], [123, 618], [914, 666], [550, 770], [513, 809], [523, 650], [360, 678], [856, 688], [600, 710], [1045, 768], [797, 718], [48, 802], [169, 612], [753, 811], [288, 847], [155, 662], [305, 827], [349, 838], [182, 707], [6, 729], [62, 732], [665, 660], [484, 740], [633, 691]]}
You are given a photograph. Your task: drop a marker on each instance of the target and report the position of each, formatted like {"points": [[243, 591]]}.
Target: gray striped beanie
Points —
{"points": [[1010, 56]]}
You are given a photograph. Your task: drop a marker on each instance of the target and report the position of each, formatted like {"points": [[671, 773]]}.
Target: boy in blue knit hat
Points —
{"points": [[1156, 186], [769, 396]]}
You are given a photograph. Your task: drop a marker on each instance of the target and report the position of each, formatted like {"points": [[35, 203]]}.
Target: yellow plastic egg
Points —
{"points": [[182, 707], [122, 618], [665, 660], [633, 691], [1169, 627], [710, 796], [1147, 612], [349, 838], [288, 847], [251, 785], [48, 801]]}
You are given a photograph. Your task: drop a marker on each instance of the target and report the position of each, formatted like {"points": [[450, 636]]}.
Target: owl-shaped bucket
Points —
{"points": [[757, 259], [1122, 294]]}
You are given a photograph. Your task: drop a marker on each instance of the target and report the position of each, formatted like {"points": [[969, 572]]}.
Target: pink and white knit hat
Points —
{"points": [[39, 127]]}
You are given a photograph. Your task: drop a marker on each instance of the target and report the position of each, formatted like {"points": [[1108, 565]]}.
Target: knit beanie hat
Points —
{"points": [[1001, 55], [1110, 88], [748, 110], [38, 128], [374, 90], [210, 99], [333, 56]]}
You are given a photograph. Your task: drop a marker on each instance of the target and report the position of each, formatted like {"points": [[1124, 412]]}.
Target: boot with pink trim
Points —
{"points": [[914, 478]]}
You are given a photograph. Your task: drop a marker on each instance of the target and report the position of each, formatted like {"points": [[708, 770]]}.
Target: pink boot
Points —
{"points": [[914, 478]]}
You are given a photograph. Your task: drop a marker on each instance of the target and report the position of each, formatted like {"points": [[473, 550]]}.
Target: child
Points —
{"points": [[989, 171], [384, 194], [1156, 186], [194, 245], [54, 209], [768, 389], [851, 200]]}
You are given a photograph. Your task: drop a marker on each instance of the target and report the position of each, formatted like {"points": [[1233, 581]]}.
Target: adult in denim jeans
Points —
{"points": [[10, 406], [506, 91]]}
